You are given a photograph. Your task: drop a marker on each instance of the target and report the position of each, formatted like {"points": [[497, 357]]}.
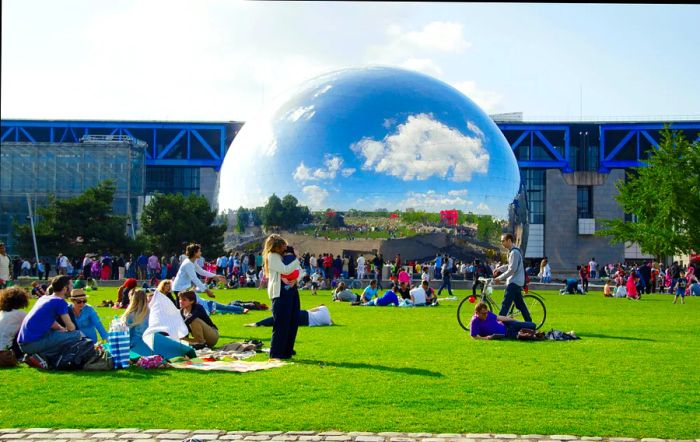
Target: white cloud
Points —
{"points": [[333, 165], [301, 112], [323, 90], [489, 101], [315, 197], [483, 209], [447, 37], [462, 192], [425, 65], [434, 201], [422, 148]]}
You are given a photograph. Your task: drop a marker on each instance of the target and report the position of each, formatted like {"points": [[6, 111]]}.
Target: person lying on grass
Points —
{"points": [[343, 294], [388, 298], [370, 292], [312, 317], [486, 325]]}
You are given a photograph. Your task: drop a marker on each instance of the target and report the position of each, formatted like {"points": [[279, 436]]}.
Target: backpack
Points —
{"points": [[74, 356]]}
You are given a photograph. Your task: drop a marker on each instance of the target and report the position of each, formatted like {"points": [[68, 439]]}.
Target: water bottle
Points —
{"points": [[119, 343]]}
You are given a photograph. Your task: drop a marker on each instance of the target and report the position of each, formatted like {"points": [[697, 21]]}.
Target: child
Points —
{"points": [[606, 289], [679, 288], [315, 280]]}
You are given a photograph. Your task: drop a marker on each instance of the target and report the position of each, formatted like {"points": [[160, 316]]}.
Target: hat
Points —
{"points": [[130, 283], [77, 294]]}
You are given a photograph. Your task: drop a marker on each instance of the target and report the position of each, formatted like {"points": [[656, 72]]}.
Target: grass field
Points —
{"points": [[634, 373]]}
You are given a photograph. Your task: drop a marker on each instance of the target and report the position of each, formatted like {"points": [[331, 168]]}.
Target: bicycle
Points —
{"points": [[533, 301]]}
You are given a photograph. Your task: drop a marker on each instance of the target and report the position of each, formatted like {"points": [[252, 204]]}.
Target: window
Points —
{"points": [[534, 181], [584, 201]]}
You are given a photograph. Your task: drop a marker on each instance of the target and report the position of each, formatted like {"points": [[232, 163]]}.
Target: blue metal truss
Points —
{"points": [[169, 144], [530, 133], [635, 133]]}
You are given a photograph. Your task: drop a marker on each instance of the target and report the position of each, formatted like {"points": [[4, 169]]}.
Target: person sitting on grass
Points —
{"points": [[342, 294], [607, 291], [85, 316], [404, 291], [136, 317], [312, 317], [620, 291], [204, 332], [486, 325], [418, 295], [41, 335], [370, 292], [124, 291], [38, 290], [12, 301], [388, 298]]}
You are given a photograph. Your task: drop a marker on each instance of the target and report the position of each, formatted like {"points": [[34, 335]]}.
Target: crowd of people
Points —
{"points": [[174, 318]]}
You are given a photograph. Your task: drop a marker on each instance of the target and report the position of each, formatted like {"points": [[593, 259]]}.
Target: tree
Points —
{"points": [[665, 197], [78, 225], [170, 222], [285, 213], [242, 219]]}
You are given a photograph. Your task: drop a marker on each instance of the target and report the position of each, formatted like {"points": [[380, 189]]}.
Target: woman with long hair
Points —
{"points": [[283, 294], [136, 317]]}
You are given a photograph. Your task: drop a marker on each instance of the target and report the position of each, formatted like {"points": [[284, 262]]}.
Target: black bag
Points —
{"points": [[101, 361], [74, 355]]}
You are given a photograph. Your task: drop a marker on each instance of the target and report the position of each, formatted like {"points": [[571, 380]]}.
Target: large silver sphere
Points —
{"points": [[369, 138]]}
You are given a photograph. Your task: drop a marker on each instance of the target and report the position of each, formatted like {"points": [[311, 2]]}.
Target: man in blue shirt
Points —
{"points": [[486, 325]]}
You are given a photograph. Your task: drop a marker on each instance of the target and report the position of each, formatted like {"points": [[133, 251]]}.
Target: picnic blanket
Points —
{"points": [[211, 364]]}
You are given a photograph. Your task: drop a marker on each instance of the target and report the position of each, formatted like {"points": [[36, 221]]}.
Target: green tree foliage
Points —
{"points": [[665, 197], [78, 225], [285, 213], [170, 222], [487, 228], [242, 219]]}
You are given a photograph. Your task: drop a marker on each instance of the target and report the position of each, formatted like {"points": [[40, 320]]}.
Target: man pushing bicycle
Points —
{"points": [[514, 274]]}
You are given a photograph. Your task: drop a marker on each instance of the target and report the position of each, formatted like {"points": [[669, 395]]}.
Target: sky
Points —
{"points": [[224, 60]]}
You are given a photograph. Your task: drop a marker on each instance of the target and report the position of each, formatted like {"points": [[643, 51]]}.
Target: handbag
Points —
{"points": [[7, 358]]}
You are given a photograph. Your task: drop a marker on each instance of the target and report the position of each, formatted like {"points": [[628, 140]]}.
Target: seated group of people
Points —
{"points": [[400, 294]]}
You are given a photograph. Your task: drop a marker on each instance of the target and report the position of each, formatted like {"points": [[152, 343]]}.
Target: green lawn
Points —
{"points": [[634, 373]]}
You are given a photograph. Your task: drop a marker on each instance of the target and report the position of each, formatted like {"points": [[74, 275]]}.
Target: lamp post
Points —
{"points": [[31, 221]]}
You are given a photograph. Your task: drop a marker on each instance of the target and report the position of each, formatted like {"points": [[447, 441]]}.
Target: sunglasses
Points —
{"points": [[79, 301]]}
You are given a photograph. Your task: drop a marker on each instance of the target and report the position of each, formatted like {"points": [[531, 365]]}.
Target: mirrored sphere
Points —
{"points": [[373, 138]]}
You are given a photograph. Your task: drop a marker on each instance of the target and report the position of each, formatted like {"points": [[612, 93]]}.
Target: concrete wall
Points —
{"points": [[564, 247], [209, 185]]}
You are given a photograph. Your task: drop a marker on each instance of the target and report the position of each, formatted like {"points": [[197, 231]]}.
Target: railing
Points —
{"points": [[105, 139]]}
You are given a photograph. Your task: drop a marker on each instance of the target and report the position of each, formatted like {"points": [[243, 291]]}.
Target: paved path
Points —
{"points": [[137, 434]]}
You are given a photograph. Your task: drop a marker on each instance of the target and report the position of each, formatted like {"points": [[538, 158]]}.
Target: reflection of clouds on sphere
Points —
{"points": [[370, 138]]}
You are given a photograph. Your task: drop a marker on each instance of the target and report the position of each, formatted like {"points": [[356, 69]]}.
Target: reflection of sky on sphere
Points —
{"points": [[372, 138]]}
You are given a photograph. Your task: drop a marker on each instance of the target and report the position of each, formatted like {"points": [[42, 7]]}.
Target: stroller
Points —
{"points": [[572, 287]]}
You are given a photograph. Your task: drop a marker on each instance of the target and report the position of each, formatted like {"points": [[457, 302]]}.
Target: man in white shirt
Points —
{"points": [[62, 264], [418, 294], [361, 268], [5, 264], [594, 268]]}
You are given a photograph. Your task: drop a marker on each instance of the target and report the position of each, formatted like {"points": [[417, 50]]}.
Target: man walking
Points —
{"points": [[514, 274]]}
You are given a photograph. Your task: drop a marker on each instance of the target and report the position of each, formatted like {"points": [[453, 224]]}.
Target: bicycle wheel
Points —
{"points": [[465, 311], [535, 305]]}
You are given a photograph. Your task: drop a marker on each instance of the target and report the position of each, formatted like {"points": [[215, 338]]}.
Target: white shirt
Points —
{"points": [[276, 268], [425, 277], [593, 265], [9, 326], [63, 262], [4, 267], [187, 277], [319, 316], [361, 263], [312, 261], [418, 295]]}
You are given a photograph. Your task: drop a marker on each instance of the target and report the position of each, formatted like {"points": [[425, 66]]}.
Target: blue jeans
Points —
{"points": [[513, 327], [52, 343], [221, 308], [446, 284], [514, 294]]}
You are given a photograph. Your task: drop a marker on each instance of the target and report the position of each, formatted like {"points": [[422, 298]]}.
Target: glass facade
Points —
{"points": [[66, 170], [535, 186], [584, 201], [172, 179]]}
